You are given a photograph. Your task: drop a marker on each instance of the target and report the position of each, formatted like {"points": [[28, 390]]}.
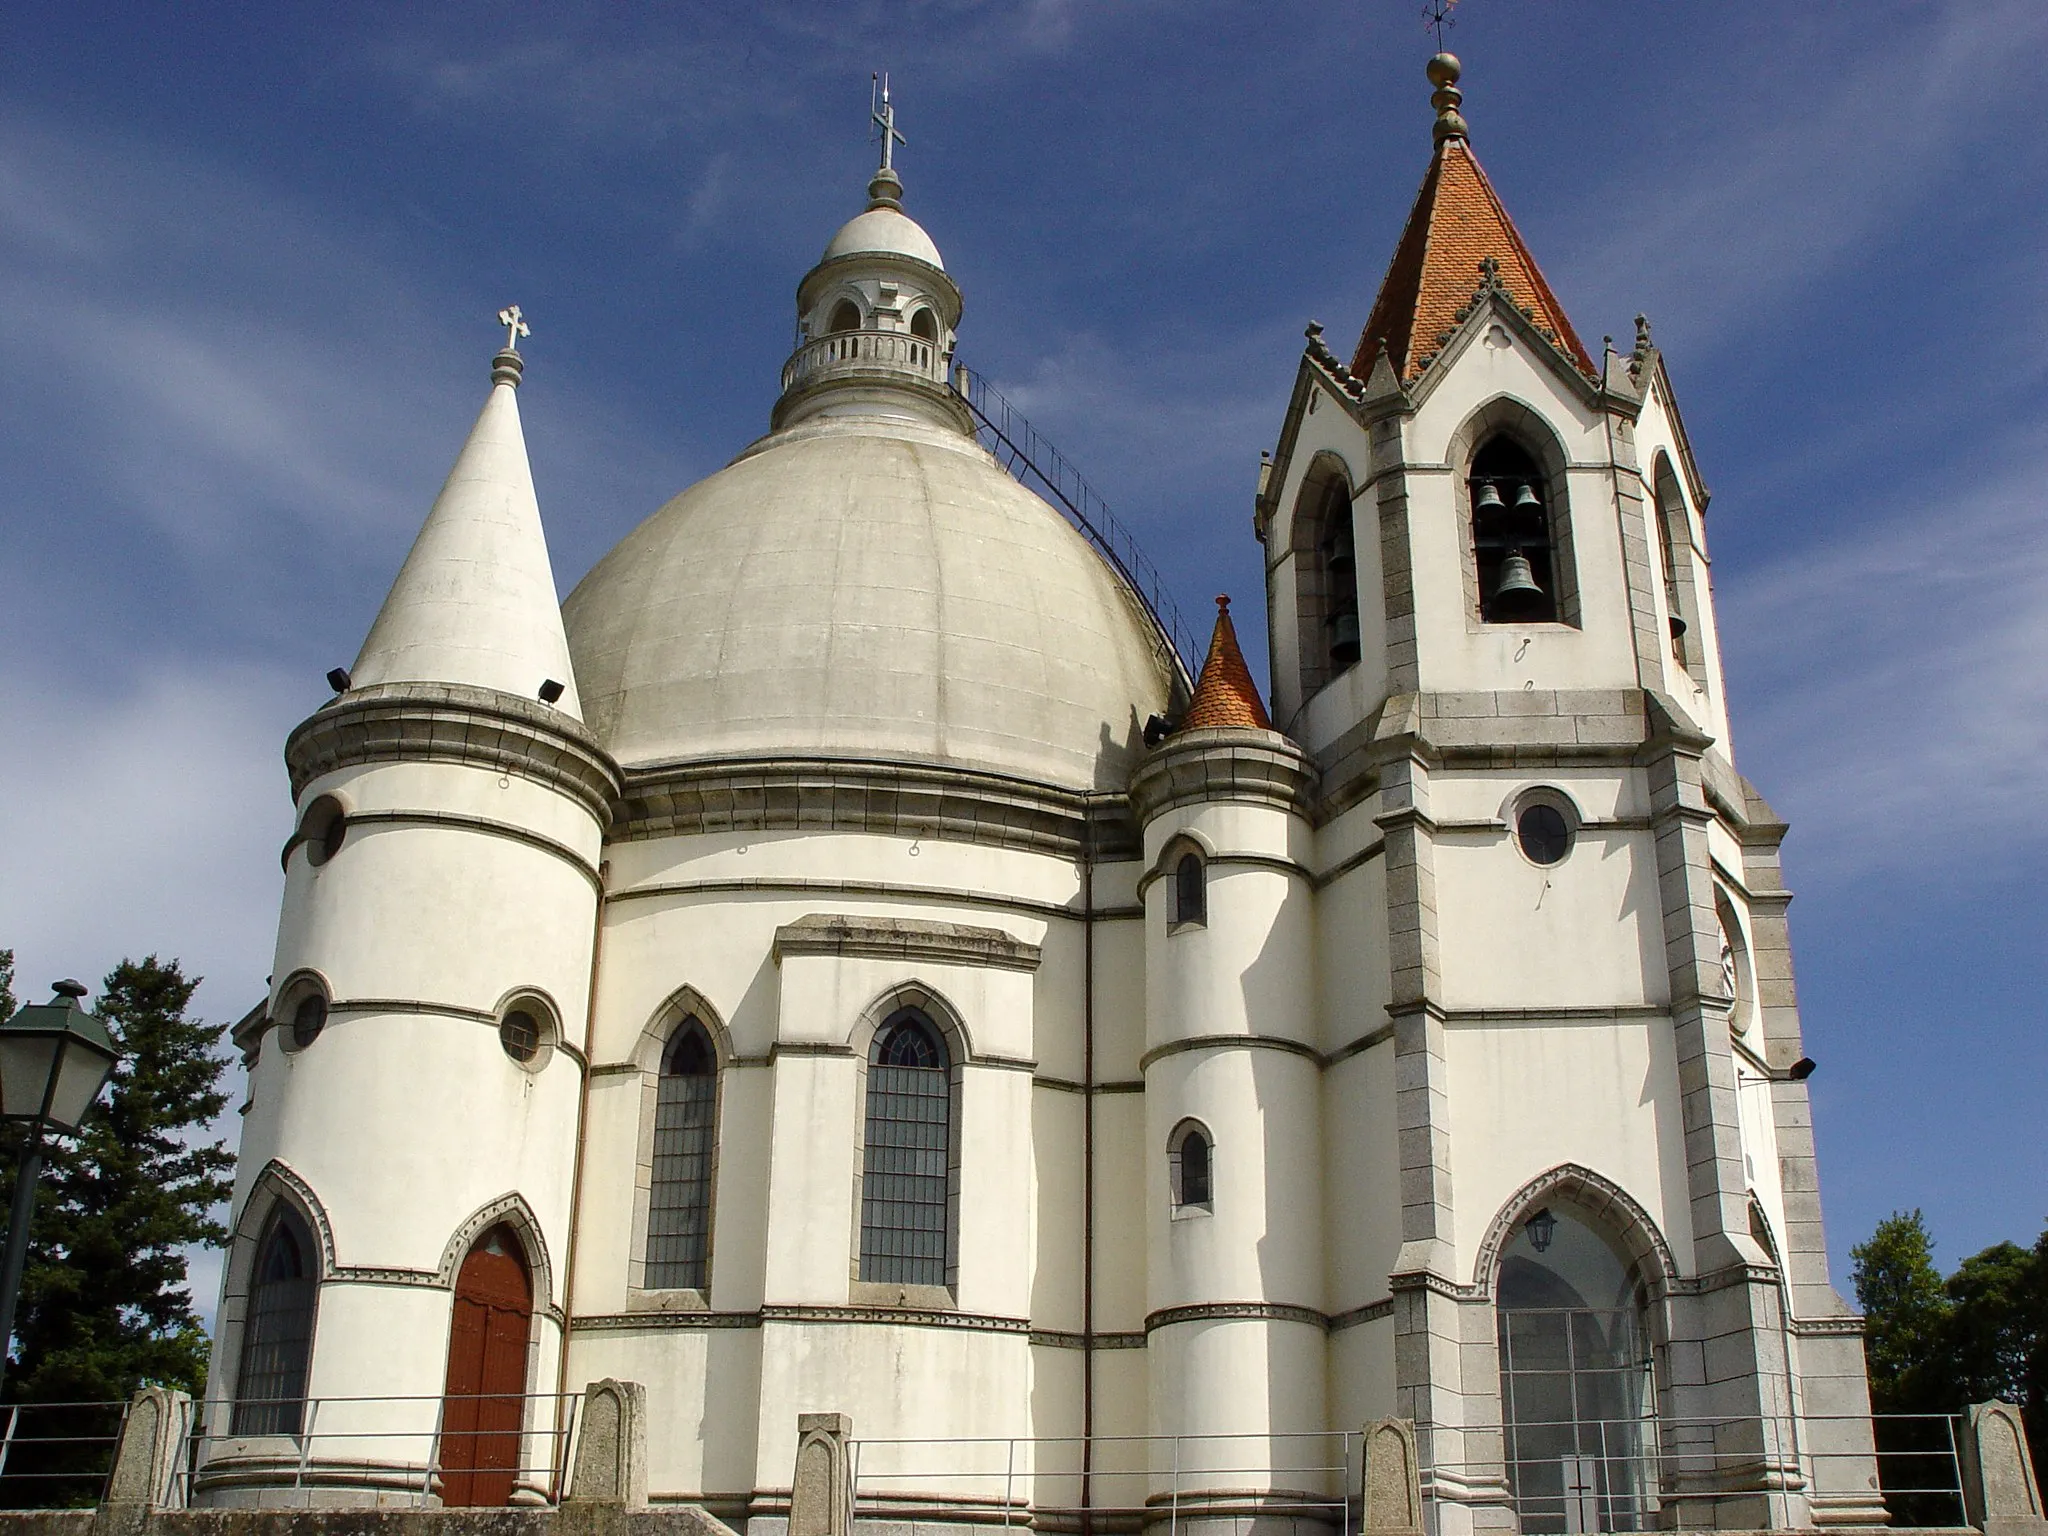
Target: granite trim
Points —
{"points": [[486, 825], [1227, 764], [1235, 1311], [880, 889], [455, 723], [881, 796], [1230, 1042], [904, 938]]}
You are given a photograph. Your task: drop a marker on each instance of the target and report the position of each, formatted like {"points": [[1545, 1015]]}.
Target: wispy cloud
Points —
{"points": [[1897, 681]]}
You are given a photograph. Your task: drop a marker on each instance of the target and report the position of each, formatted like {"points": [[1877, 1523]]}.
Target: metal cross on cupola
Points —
{"points": [[884, 117], [515, 326]]}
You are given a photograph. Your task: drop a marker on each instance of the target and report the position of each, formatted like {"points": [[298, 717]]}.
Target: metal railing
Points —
{"points": [[1028, 456], [485, 1449], [1129, 1480], [864, 352], [1645, 1474], [57, 1455]]}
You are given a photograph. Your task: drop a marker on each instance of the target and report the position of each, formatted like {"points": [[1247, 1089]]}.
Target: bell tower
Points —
{"points": [[1492, 630]]}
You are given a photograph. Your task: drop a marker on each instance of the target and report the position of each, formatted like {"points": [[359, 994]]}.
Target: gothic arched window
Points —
{"points": [[1326, 577], [1575, 1378], [1512, 540], [685, 1138], [1191, 1164], [1674, 539], [906, 1202], [1190, 889], [277, 1331]]}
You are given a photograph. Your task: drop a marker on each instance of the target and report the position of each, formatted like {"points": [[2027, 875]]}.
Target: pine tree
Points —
{"points": [[104, 1305]]}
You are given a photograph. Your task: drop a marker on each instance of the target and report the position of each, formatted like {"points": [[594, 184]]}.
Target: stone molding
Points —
{"points": [[1053, 1338], [880, 796], [1597, 1197], [1226, 764], [904, 938], [454, 723], [899, 1317], [488, 826], [1371, 1312], [1230, 1043], [882, 889], [1235, 1311]]}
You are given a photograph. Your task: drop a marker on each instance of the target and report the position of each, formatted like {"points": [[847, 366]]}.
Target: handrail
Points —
{"points": [[1028, 456]]}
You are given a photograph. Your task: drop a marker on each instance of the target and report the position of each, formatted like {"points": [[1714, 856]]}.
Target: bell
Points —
{"points": [[1526, 500], [1338, 554], [1517, 585], [1489, 498], [1344, 648]]}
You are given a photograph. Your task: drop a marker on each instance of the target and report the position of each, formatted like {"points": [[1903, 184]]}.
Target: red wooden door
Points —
{"points": [[484, 1402]]}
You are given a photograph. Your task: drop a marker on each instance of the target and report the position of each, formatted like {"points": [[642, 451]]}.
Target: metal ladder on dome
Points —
{"points": [[1035, 463]]}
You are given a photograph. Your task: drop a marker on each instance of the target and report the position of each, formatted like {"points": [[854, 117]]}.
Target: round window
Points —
{"points": [[322, 829], [1543, 832], [519, 1033], [308, 1019]]}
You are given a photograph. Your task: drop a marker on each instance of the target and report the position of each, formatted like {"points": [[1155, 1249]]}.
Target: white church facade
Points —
{"points": [[840, 961]]}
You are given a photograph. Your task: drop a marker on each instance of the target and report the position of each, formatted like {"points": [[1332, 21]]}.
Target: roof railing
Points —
{"points": [[1022, 450]]}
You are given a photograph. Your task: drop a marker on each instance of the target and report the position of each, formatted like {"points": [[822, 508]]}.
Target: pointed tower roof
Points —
{"points": [[475, 600], [1457, 223], [1225, 694]]}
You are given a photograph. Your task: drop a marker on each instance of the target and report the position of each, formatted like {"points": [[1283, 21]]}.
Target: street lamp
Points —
{"points": [[54, 1059]]}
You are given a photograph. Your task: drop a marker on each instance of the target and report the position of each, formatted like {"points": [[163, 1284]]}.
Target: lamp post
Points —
{"points": [[54, 1059]]}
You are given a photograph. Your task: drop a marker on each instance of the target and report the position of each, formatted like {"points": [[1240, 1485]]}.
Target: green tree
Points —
{"points": [[6, 983], [105, 1307], [1906, 1315]]}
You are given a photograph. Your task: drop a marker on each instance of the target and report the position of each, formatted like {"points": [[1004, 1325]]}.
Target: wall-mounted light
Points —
{"points": [[1801, 1069], [550, 691], [1541, 1227], [338, 679]]}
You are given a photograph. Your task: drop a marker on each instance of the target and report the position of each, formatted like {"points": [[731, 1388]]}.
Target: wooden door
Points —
{"points": [[484, 1403]]}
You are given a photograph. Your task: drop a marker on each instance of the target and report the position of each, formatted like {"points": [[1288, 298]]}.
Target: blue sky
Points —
{"points": [[249, 258]]}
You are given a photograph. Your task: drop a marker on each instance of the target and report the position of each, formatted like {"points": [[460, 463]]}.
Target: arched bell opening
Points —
{"points": [[1577, 1379], [1325, 553], [483, 1411], [1512, 540]]}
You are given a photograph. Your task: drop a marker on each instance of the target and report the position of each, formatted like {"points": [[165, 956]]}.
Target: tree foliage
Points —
{"points": [[1936, 1345], [105, 1307]]}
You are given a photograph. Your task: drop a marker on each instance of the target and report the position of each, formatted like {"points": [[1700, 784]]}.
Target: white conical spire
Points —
{"points": [[475, 601]]}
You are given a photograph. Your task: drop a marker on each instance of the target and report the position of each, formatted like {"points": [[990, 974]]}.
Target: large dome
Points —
{"points": [[866, 587]]}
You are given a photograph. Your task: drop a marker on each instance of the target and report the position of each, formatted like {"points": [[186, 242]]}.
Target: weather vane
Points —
{"points": [[515, 326], [883, 115], [1436, 15]]}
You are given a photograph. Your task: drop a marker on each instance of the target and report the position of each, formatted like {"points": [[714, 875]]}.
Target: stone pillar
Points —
{"points": [[1390, 1490], [611, 1446], [821, 1487], [2000, 1495], [147, 1459]]}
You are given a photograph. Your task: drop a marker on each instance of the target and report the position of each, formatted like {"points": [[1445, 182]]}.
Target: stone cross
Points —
{"points": [[883, 116], [515, 326]]}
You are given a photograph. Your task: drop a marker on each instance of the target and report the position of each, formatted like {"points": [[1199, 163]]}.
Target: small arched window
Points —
{"points": [[1190, 889], [1326, 577], [1511, 536], [1674, 539], [277, 1335], [923, 326], [845, 316], [685, 1139], [906, 1175], [1191, 1159]]}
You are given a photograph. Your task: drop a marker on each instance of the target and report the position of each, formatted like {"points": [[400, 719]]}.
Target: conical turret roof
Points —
{"points": [[1225, 694], [1458, 222], [475, 601]]}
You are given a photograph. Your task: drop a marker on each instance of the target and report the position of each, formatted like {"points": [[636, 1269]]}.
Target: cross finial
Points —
{"points": [[515, 326], [1436, 15], [883, 115]]}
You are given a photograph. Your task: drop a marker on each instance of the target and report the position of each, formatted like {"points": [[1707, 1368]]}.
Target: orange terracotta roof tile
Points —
{"points": [[1225, 694], [1458, 222]]}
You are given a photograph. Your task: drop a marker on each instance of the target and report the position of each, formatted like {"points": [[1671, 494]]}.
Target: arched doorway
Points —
{"points": [[484, 1407], [1576, 1385]]}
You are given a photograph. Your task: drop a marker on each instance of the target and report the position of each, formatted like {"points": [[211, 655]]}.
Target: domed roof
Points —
{"points": [[867, 587], [889, 231]]}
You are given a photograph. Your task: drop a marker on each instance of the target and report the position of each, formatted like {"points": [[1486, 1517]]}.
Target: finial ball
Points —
{"points": [[1444, 69]]}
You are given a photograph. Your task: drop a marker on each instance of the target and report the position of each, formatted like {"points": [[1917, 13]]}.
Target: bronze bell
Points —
{"points": [[1517, 583], [1526, 500], [1338, 553], [1489, 498]]}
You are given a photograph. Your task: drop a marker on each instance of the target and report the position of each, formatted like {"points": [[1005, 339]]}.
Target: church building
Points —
{"points": [[842, 961]]}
